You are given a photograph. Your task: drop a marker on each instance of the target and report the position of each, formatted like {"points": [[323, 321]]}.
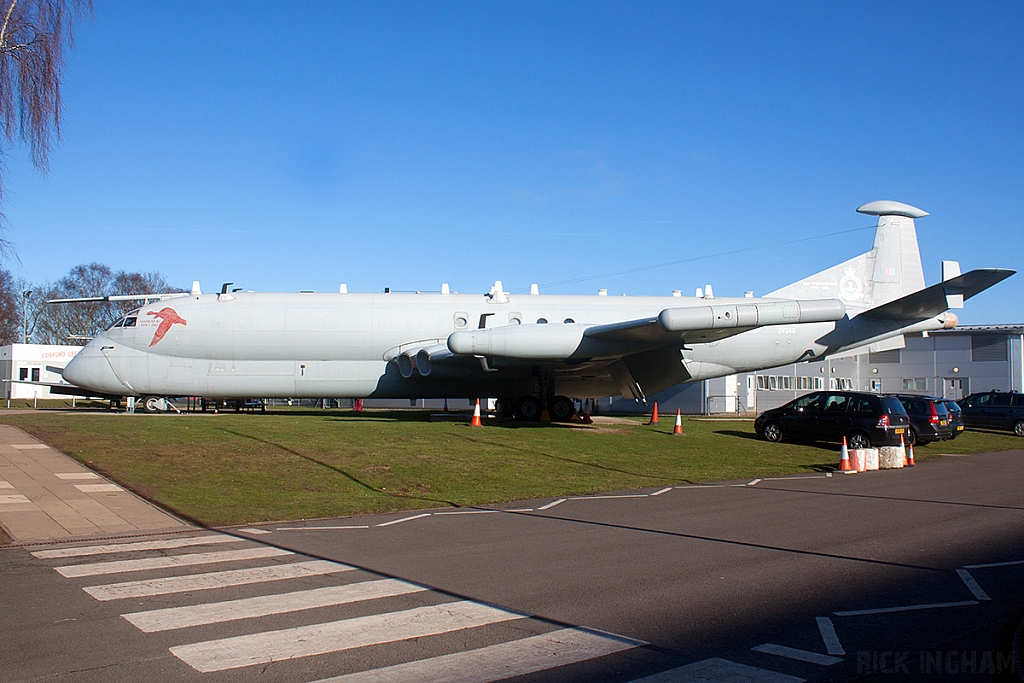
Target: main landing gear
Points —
{"points": [[530, 408]]}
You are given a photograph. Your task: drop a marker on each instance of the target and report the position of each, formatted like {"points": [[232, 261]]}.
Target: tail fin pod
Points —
{"points": [[889, 271]]}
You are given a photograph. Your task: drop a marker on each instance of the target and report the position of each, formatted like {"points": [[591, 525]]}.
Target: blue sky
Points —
{"points": [[288, 146]]}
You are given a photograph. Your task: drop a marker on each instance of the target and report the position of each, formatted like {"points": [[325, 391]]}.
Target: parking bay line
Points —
{"points": [[829, 636], [187, 560], [171, 618], [995, 564], [497, 662], [198, 582], [133, 547], [972, 585], [799, 655], [905, 608], [405, 519], [318, 639]]}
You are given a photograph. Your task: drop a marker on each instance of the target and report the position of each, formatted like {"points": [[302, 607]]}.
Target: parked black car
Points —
{"points": [[929, 418], [995, 410], [956, 417], [864, 419]]}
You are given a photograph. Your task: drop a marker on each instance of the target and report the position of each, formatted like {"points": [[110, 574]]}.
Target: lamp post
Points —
{"points": [[24, 312]]}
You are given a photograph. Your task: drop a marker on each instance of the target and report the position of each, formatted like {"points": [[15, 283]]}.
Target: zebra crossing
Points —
{"points": [[200, 581]]}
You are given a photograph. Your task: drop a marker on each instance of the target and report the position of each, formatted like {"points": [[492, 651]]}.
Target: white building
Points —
{"points": [[32, 362]]}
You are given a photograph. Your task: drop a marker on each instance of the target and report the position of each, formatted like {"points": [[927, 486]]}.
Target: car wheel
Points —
{"points": [[562, 409], [858, 440], [772, 432], [912, 438], [1018, 428], [527, 408]]}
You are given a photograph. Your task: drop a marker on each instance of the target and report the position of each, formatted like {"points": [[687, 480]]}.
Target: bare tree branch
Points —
{"points": [[33, 40]]}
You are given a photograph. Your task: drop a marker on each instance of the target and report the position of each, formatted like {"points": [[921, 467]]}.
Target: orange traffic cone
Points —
{"points": [[475, 422], [844, 459], [586, 412], [910, 456], [678, 429], [654, 415]]}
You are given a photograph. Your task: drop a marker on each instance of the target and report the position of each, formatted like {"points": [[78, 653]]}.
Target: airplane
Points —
{"points": [[532, 352]]}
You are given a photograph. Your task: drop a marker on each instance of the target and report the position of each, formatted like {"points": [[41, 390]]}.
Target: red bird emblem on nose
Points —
{"points": [[168, 317]]}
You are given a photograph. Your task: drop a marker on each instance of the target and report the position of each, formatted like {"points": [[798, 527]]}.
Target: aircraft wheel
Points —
{"points": [[151, 404], [527, 408], [772, 432], [562, 409]]}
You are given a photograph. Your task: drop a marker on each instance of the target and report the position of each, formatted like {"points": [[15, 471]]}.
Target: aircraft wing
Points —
{"points": [[931, 301], [672, 327]]}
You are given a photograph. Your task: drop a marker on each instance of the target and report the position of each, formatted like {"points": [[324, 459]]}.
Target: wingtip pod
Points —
{"points": [[887, 207], [751, 315]]}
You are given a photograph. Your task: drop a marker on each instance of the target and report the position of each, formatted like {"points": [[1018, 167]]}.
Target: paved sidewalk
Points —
{"points": [[45, 495]]}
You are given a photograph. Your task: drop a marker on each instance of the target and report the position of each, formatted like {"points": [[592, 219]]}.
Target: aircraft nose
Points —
{"points": [[90, 370]]}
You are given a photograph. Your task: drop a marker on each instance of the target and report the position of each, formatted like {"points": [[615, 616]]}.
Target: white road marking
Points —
{"points": [[198, 582], [13, 498], [147, 563], [829, 636], [754, 482], [497, 662], [625, 495], [907, 608], [318, 639], [315, 528], [720, 671], [972, 585], [132, 547], [405, 519], [231, 610], [257, 532], [995, 564], [517, 510], [468, 512], [799, 655], [552, 504], [98, 488], [29, 446], [702, 486], [76, 476], [664, 490], [6, 484]]}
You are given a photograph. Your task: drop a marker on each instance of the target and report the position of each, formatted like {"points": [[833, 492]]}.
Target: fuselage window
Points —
{"points": [[119, 323], [568, 321], [542, 321], [130, 322]]}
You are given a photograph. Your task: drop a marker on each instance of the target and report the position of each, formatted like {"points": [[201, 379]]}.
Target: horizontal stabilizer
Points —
{"points": [[932, 301]]}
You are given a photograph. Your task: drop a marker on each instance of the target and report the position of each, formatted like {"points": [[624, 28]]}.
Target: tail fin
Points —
{"points": [[891, 269]]}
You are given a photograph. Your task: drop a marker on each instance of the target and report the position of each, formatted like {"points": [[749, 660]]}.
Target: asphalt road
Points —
{"points": [[875, 576]]}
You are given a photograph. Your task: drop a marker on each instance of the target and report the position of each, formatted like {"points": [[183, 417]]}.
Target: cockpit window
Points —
{"points": [[128, 320]]}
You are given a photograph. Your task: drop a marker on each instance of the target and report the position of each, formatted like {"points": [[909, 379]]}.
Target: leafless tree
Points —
{"points": [[34, 37], [10, 309], [68, 323]]}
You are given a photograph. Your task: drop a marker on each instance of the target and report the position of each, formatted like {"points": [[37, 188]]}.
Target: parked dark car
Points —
{"points": [[995, 410], [864, 419], [956, 417], [929, 419]]}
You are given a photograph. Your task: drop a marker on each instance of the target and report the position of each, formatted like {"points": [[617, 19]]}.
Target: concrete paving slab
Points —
{"points": [[48, 496]]}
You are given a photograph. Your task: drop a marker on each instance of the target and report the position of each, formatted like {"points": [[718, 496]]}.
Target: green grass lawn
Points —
{"points": [[241, 468]]}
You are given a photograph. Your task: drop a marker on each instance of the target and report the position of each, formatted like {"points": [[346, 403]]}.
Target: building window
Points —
{"points": [[819, 383], [22, 373], [915, 384], [787, 383], [988, 348], [35, 374], [876, 386]]}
